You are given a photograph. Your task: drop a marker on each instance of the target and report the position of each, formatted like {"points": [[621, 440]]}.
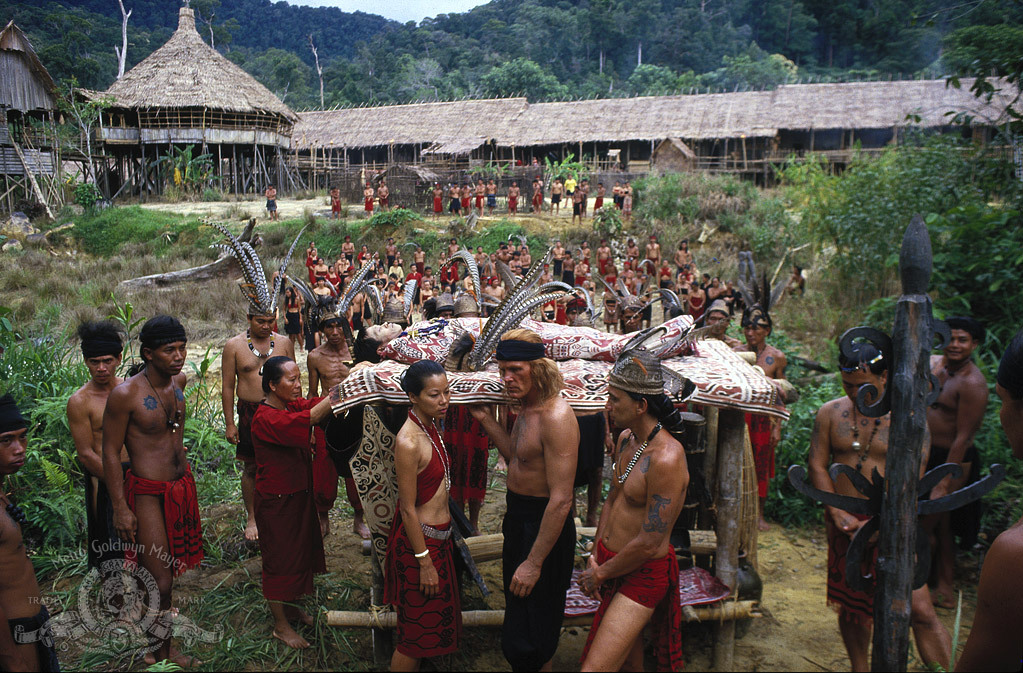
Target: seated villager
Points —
{"points": [[634, 571], [420, 577], [996, 639], [289, 529], [22, 611], [841, 434]]}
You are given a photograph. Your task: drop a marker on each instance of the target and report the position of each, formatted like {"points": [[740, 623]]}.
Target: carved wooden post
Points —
{"points": [[912, 339], [731, 443]]}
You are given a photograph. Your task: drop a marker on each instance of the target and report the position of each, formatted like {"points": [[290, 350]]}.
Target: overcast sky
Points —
{"points": [[399, 10]]}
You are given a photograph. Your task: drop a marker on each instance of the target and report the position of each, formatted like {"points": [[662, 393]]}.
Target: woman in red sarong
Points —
{"points": [[289, 528], [420, 575]]}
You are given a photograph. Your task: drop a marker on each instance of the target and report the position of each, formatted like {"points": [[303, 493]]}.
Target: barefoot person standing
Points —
{"points": [[101, 350], [539, 534], [156, 510], [22, 609], [243, 355], [634, 571], [421, 580], [290, 541]]}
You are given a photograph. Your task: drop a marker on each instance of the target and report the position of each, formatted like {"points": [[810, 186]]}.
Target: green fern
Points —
{"points": [[56, 477]]}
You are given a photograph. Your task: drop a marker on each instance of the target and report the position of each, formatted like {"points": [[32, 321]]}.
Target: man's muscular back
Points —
{"points": [[773, 362], [85, 418], [533, 437]]}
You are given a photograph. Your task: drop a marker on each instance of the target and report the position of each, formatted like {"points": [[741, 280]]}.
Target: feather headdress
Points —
{"points": [[262, 297], [639, 369], [466, 258], [756, 293]]}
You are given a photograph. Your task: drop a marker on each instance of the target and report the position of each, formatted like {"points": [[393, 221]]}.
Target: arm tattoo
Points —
{"points": [[179, 395], [149, 402], [654, 523], [644, 464]]}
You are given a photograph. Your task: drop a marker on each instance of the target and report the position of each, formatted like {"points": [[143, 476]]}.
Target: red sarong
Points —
{"points": [[180, 518], [598, 203], [324, 474], [438, 206], [855, 606], [427, 627], [513, 204], [653, 585], [469, 446], [290, 543], [369, 205], [538, 199], [465, 203], [763, 449], [479, 202]]}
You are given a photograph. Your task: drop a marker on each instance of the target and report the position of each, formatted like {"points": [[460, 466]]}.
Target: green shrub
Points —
{"points": [[86, 195], [210, 194]]}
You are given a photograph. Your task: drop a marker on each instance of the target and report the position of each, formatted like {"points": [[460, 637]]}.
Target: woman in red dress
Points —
{"points": [[420, 577], [289, 528]]}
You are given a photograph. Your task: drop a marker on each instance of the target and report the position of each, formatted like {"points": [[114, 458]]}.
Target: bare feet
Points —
{"points": [[942, 597], [763, 525], [287, 635], [184, 661], [251, 532], [359, 527], [298, 615], [324, 524]]}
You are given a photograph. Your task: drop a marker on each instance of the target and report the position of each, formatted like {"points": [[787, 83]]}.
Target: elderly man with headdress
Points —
{"points": [[101, 350], [156, 509], [22, 610], [290, 543], [633, 570], [539, 534], [243, 356]]}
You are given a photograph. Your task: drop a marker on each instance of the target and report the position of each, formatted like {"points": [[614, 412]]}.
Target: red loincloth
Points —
{"points": [[290, 543], [180, 517], [479, 202], [469, 446], [369, 205], [763, 449], [427, 627], [438, 205], [465, 202], [538, 199], [598, 203], [653, 585], [324, 475], [857, 606], [513, 204]]}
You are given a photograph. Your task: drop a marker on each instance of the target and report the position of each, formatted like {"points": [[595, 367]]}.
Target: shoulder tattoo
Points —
{"points": [[654, 522], [179, 394], [149, 402]]}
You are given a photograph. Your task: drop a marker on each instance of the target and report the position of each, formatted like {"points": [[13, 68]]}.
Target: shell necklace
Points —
{"points": [[632, 463], [248, 339], [862, 457]]}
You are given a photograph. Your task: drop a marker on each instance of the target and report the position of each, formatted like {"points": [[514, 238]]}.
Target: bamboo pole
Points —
{"points": [[731, 434], [727, 611]]}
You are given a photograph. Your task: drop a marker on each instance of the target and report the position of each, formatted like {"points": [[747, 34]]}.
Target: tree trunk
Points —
{"points": [[122, 53]]}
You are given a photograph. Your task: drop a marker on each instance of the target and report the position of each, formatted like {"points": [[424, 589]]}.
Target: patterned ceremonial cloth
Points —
{"points": [[432, 340], [469, 446], [722, 378], [180, 518], [696, 586]]}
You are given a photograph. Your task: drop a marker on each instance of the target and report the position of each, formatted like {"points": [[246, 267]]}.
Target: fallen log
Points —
{"points": [[225, 267], [388, 619]]}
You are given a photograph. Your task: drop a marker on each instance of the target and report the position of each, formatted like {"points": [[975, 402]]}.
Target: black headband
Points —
{"points": [[521, 351], [10, 416], [968, 325], [161, 330], [99, 346]]}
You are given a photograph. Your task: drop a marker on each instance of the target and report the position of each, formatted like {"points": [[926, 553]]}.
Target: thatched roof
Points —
{"points": [[24, 82], [187, 73], [456, 125]]}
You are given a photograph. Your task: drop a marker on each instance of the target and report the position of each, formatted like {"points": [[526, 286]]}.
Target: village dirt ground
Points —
{"points": [[798, 631]]}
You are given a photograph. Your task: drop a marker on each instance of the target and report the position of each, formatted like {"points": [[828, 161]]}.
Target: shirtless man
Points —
{"points": [[603, 256], [480, 191], [765, 431], [838, 433], [557, 189], [537, 196], [244, 355], [456, 200], [21, 604], [453, 248], [348, 250], [584, 187], [683, 258], [525, 258], [156, 510], [465, 194], [328, 366], [271, 202], [491, 196], [391, 252], [438, 199], [653, 251], [994, 642], [384, 196], [335, 203], [101, 349], [953, 422], [633, 569], [558, 256], [368, 196], [513, 198], [539, 534], [577, 205]]}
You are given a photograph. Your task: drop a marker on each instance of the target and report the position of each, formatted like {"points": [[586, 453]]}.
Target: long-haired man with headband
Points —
{"points": [[539, 534], [156, 508], [101, 350]]}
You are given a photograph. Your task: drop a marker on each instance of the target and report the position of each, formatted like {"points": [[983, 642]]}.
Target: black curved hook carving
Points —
{"points": [[857, 551], [797, 477], [941, 333], [963, 496], [883, 404]]}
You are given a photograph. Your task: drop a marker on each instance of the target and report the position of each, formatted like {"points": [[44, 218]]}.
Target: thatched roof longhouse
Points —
{"points": [[753, 114], [188, 73], [25, 84]]}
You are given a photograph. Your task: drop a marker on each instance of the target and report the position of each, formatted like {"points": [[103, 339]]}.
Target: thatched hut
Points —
{"points": [[672, 156], [186, 93], [28, 102]]}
